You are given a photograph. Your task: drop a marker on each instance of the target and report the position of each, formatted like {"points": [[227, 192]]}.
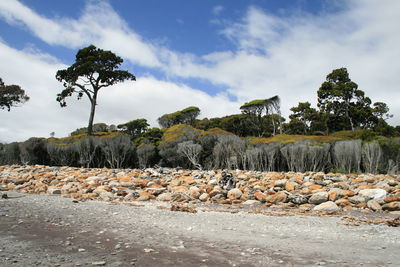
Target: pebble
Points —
{"points": [[98, 263]]}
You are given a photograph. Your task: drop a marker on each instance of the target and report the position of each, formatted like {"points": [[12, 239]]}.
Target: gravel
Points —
{"points": [[47, 230]]}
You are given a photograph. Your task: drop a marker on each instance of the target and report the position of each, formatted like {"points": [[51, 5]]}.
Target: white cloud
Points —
{"points": [[217, 10], [99, 24], [291, 56], [287, 56], [146, 98]]}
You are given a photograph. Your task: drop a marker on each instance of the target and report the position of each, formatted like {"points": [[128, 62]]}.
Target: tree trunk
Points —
{"points": [[91, 118], [350, 120], [273, 125]]}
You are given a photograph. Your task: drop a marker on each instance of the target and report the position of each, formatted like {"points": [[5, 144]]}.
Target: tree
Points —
{"points": [[11, 96], [184, 116], [381, 111], [135, 128], [256, 108], [345, 107], [93, 69], [341, 99], [305, 114]]}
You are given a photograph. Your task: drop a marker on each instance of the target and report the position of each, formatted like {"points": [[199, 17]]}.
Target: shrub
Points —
{"points": [[371, 156], [10, 154], [191, 151], [146, 154], [306, 155], [62, 155], [34, 151], [229, 152], [169, 144], [118, 151], [347, 155]]}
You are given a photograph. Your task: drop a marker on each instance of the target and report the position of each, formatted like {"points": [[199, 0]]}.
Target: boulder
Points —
{"points": [[234, 194], [164, 197], [53, 191], [290, 186], [318, 198], [251, 202], [327, 206], [204, 197], [297, 199], [392, 206], [374, 205], [357, 199], [260, 196], [392, 199], [376, 194], [277, 198]]}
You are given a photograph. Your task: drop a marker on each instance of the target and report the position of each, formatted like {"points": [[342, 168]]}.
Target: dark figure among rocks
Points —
{"points": [[227, 181]]}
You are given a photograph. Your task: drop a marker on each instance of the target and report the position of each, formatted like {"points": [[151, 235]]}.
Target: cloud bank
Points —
{"points": [[288, 56]]}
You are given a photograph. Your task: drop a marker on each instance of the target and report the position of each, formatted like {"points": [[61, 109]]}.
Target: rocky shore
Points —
{"points": [[331, 192]]}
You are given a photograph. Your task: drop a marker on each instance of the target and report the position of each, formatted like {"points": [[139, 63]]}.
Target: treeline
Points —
{"points": [[184, 146], [346, 132], [341, 106]]}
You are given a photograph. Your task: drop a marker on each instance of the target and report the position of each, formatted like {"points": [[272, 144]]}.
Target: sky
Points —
{"points": [[216, 55]]}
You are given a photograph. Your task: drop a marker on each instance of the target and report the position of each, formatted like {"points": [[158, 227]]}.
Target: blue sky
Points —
{"points": [[212, 54]]}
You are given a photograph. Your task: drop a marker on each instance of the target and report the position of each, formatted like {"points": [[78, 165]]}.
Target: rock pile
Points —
{"points": [[307, 191]]}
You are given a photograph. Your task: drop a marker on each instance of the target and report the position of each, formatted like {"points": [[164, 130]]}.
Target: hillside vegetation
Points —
{"points": [[347, 132], [185, 146]]}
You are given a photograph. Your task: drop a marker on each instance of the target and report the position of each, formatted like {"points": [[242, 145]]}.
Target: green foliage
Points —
{"points": [[260, 105], [135, 128], [354, 135], [93, 69], [178, 133], [11, 96], [239, 124], [254, 111], [97, 128], [169, 144], [151, 136], [184, 116], [345, 106], [303, 113], [77, 137], [287, 139]]}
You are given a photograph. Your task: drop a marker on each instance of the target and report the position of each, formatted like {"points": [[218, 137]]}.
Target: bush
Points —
{"points": [[118, 151], [371, 156], [62, 155], [306, 155], [347, 155], [10, 154], [229, 152], [191, 151], [146, 153], [262, 157], [169, 144], [34, 151]]}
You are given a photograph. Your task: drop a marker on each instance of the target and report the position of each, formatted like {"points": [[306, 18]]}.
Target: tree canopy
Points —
{"points": [[185, 116], [11, 96], [345, 106], [93, 69], [257, 108], [134, 128]]}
